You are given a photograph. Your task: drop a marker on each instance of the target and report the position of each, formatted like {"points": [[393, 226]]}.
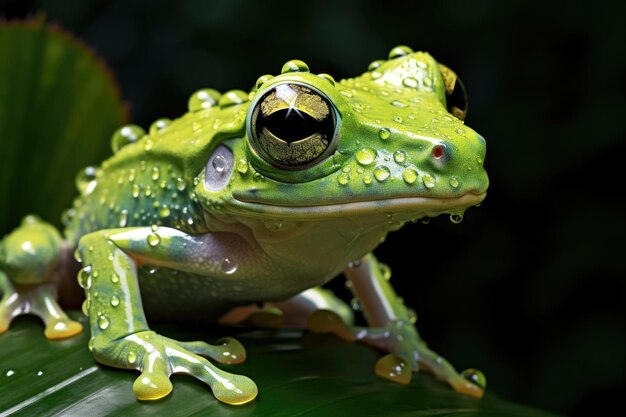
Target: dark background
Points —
{"points": [[529, 288]]}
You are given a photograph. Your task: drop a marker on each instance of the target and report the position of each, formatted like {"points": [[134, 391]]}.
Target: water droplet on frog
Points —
{"points": [[126, 135], [158, 126], [229, 266], [219, 163], [156, 173], [460, 132], [123, 218], [242, 166], [456, 218], [454, 183], [428, 180], [77, 256], [86, 180], [399, 156], [428, 81], [131, 357], [375, 64], [398, 103], [232, 98], [410, 82], [115, 278], [398, 119], [381, 173], [164, 212], [343, 178], [367, 180], [384, 133], [262, 80], [203, 99], [103, 322], [400, 51], [84, 277], [148, 145], [475, 377], [85, 306], [136, 190], [376, 75], [327, 77], [153, 239], [346, 168], [365, 156], [409, 175], [295, 65], [115, 301], [180, 184]]}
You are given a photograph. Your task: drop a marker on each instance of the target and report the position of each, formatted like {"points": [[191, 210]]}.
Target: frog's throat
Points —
{"points": [[414, 207]]}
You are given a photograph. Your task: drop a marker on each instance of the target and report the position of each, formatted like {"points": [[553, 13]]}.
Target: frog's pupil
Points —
{"points": [[438, 151], [292, 124]]}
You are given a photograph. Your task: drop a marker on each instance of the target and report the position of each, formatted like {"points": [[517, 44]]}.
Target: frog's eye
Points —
{"points": [[456, 96], [293, 126]]}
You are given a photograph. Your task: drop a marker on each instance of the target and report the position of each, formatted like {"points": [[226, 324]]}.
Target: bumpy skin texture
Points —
{"points": [[239, 202]]}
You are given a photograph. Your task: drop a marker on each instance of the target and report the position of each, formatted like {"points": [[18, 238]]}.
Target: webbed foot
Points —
{"points": [[407, 352], [158, 357]]}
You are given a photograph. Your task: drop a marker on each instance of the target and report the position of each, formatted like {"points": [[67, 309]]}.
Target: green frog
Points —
{"points": [[243, 208]]}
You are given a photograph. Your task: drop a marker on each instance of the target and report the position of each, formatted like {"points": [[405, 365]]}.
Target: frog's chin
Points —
{"points": [[410, 207]]}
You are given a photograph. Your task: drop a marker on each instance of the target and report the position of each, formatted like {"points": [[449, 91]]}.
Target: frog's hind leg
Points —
{"points": [[120, 333], [293, 312], [29, 259]]}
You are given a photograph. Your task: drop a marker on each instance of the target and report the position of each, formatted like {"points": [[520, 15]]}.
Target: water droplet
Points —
{"points": [[365, 156], [86, 180], [398, 103], [398, 119], [148, 145], [115, 301], [410, 82], [399, 156], [400, 51], [456, 218], [346, 168], [233, 98], [242, 166], [343, 178], [84, 277], [327, 77], [196, 126], [125, 135], [354, 303], [219, 163], [135, 190], [454, 183], [180, 184], [153, 239], [376, 75], [103, 322], [375, 64], [10, 372], [428, 180], [262, 80], [85, 306], [77, 256], [381, 173], [409, 175], [156, 172], [384, 133], [367, 180], [115, 278], [158, 125], [164, 212], [428, 81], [203, 99], [131, 357], [394, 368], [40, 373], [123, 217], [229, 266], [460, 131], [295, 65], [476, 377]]}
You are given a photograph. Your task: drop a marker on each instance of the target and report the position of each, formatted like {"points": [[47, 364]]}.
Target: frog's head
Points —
{"points": [[391, 141]]}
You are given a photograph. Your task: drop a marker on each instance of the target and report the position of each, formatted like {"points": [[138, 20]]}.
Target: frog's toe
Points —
{"points": [[61, 329], [153, 384], [227, 351], [394, 368], [228, 388]]}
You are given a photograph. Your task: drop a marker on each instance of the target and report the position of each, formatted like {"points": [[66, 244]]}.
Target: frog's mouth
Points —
{"points": [[412, 207]]}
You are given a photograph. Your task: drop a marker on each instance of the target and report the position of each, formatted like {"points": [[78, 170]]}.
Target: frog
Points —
{"points": [[240, 210]]}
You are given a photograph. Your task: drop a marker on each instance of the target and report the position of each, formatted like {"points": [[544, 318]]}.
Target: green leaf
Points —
{"points": [[59, 106], [298, 374]]}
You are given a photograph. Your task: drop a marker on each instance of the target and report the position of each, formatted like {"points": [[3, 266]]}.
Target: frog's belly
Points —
{"points": [[171, 295]]}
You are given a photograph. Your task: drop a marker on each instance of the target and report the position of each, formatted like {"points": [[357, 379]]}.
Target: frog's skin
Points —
{"points": [[210, 212]]}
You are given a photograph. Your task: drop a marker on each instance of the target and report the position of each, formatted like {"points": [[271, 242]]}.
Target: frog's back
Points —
{"points": [[149, 180]]}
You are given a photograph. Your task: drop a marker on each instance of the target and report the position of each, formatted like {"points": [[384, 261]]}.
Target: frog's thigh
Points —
{"points": [[294, 311]]}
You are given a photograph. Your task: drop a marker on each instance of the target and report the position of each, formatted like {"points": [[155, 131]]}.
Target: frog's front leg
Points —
{"points": [[120, 333], [391, 330]]}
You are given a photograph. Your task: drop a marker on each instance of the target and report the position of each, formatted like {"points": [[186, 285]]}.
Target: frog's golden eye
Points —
{"points": [[293, 126], [456, 96]]}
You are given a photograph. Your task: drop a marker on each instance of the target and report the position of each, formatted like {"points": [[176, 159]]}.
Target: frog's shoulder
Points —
{"points": [[150, 177]]}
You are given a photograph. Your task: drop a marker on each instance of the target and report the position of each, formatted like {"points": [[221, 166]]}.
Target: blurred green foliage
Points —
{"points": [[530, 287]]}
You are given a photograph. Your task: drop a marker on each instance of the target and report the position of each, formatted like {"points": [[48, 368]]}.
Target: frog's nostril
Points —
{"points": [[438, 152]]}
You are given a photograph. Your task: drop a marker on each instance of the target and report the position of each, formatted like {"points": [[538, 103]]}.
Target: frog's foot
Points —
{"points": [[407, 352], [158, 357]]}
